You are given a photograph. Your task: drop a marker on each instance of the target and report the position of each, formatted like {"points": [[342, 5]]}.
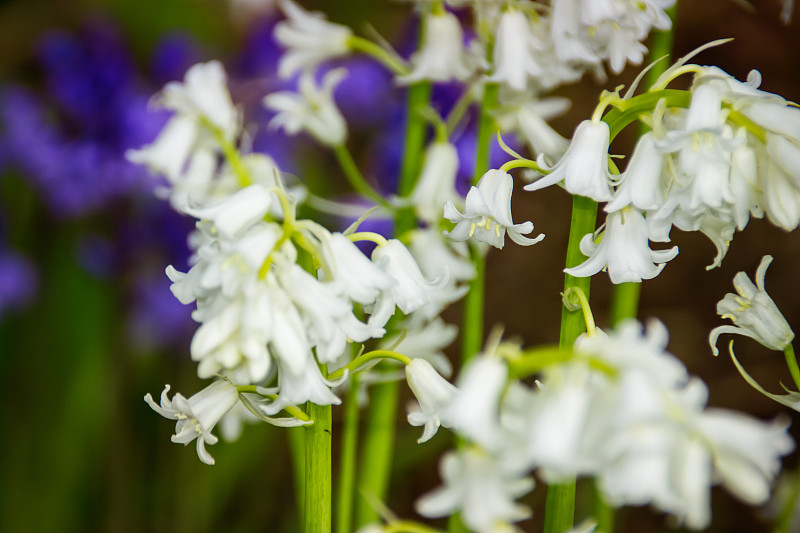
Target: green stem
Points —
{"points": [[376, 458], [230, 152], [391, 61], [625, 302], [347, 463], [419, 96], [783, 522], [791, 362], [366, 358], [317, 511], [356, 179], [560, 503]]}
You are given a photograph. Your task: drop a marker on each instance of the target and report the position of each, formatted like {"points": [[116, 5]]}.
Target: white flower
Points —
{"points": [[754, 313], [514, 53], [530, 118], [624, 250], [640, 184], [487, 215], [474, 411], [198, 415], [410, 290], [363, 281], [584, 167], [312, 109], [433, 393], [203, 94], [328, 314], [442, 56], [309, 39], [437, 182], [237, 212], [423, 338], [479, 487]]}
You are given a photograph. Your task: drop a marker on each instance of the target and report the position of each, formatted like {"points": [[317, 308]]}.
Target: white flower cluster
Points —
{"points": [[264, 317], [622, 410], [731, 154]]}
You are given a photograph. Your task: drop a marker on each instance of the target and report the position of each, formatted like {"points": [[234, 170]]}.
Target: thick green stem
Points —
{"points": [[625, 302], [347, 463], [356, 179], [560, 503], [317, 511], [376, 459]]}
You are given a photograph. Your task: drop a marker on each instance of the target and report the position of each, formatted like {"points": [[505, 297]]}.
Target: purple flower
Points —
{"points": [[18, 282]]}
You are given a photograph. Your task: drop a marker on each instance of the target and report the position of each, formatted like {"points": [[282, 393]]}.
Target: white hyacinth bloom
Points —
{"points": [[433, 393], [487, 215], [410, 289], [753, 312], [584, 167], [474, 410], [514, 53], [437, 182], [442, 56], [479, 487], [363, 281], [624, 250], [237, 212], [640, 184], [198, 415], [311, 110], [327, 312], [203, 94], [308, 38]]}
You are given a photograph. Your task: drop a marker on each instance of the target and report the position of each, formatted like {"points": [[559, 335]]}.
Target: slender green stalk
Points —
{"points": [[317, 511], [783, 522], [347, 462], [419, 96], [560, 503], [390, 60], [791, 362], [356, 179]]}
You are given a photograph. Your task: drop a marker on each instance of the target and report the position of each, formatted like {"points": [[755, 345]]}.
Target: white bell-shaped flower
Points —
{"points": [[640, 184], [198, 415], [487, 215], [203, 94], [308, 38], [584, 167], [437, 182], [433, 393], [311, 110], [480, 488], [410, 289], [363, 281], [442, 56], [514, 54], [753, 312], [624, 250], [237, 212]]}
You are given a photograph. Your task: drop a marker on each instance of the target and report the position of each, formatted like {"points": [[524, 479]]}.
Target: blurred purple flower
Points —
{"points": [[18, 282]]}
